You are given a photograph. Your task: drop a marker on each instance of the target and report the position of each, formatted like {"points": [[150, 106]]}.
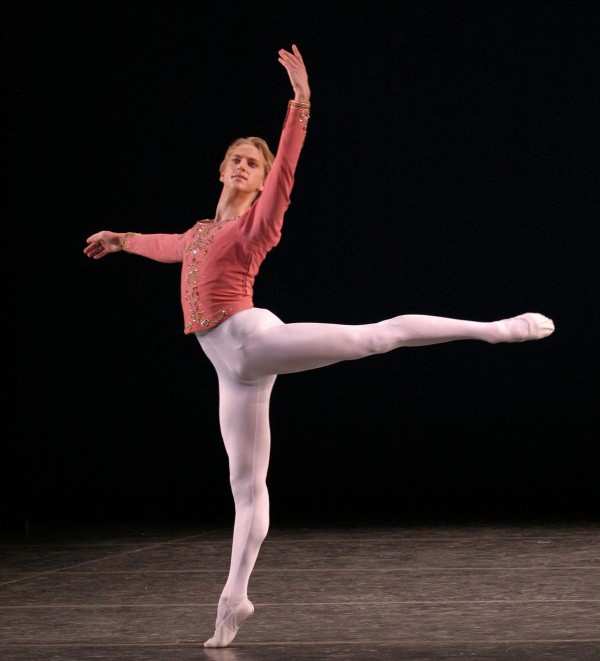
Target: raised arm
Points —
{"points": [[294, 65], [264, 222]]}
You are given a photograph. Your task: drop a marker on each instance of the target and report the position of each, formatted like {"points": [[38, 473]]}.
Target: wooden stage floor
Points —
{"points": [[429, 592]]}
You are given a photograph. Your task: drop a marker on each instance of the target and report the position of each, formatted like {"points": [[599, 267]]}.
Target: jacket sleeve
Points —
{"points": [[167, 248], [267, 217]]}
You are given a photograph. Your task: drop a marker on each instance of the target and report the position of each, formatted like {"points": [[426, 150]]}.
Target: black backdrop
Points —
{"points": [[450, 168]]}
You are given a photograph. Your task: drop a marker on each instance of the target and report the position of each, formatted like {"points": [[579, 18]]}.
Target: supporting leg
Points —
{"points": [[244, 419]]}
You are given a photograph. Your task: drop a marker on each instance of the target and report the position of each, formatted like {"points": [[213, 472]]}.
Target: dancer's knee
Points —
{"points": [[376, 339], [247, 491], [251, 499]]}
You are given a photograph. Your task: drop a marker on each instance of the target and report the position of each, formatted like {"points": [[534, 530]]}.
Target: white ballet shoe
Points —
{"points": [[227, 630], [539, 326]]}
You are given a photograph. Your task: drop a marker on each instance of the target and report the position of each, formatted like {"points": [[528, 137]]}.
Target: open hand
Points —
{"points": [[294, 65], [103, 243]]}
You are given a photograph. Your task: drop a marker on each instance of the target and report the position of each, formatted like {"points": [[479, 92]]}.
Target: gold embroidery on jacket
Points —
{"points": [[196, 253]]}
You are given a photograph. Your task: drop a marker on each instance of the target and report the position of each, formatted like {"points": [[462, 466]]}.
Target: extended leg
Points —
{"points": [[286, 348]]}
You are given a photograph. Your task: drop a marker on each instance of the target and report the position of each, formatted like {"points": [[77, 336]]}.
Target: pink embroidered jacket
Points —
{"points": [[220, 260]]}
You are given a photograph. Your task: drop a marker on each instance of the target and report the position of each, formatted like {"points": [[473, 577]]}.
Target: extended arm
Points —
{"points": [[166, 248]]}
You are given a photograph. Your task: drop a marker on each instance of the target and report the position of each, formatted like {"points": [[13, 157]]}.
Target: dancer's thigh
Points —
{"points": [[227, 344], [298, 347], [255, 343], [244, 421], [243, 396]]}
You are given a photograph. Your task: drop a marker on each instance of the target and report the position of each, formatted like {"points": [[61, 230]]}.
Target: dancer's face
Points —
{"points": [[244, 169]]}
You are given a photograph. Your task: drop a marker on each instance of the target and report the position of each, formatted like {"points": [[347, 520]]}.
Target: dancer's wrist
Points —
{"points": [[125, 240]]}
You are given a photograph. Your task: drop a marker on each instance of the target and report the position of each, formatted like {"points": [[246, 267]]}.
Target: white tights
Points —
{"points": [[250, 348]]}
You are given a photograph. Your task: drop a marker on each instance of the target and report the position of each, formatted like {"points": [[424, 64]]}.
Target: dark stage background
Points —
{"points": [[450, 168]]}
